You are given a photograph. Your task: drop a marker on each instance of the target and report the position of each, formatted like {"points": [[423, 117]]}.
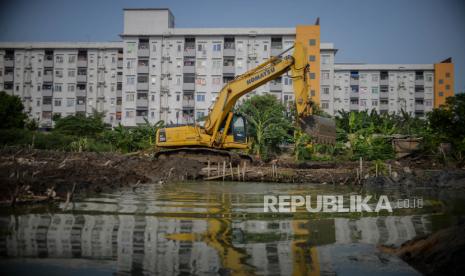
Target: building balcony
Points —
{"points": [[9, 62], [144, 52], [142, 103], [420, 82], [419, 95], [354, 95], [81, 78], [188, 103], [354, 81], [229, 52], [384, 81], [8, 78], [188, 86], [119, 93], [140, 120], [353, 107], [48, 63], [384, 107], [142, 69], [80, 108], [142, 86], [47, 78], [46, 107], [419, 107], [189, 52], [229, 69], [119, 78], [120, 63], [81, 92], [188, 69], [383, 95], [82, 63], [47, 92], [275, 51], [276, 86], [118, 108]]}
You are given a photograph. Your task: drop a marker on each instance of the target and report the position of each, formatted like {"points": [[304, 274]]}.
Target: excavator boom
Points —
{"points": [[225, 130]]}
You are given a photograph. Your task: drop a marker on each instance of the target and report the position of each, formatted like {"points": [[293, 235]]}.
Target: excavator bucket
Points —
{"points": [[321, 129]]}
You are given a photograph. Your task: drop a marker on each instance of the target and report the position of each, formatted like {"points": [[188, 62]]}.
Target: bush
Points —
{"points": [[11, 111]]}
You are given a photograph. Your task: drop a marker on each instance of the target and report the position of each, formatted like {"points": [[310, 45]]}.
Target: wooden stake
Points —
{"points": [[239, 172], [361, 168], [218, 170], [244, 170], [224, 169], [208, 168], [231, 169]]}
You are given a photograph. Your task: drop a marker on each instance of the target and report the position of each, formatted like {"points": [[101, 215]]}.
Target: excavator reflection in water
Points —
{"points": [[221, 235]]}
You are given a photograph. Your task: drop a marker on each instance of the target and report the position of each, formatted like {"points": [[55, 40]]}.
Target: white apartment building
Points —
{"points": [[160, 72]]}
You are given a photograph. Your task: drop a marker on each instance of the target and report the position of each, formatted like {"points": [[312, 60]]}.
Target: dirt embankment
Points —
{"points": [[27, 175], [441, 253], [37, 175]]}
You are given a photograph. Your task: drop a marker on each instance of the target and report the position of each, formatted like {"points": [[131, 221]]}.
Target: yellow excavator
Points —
{"points": [[224, 131]]}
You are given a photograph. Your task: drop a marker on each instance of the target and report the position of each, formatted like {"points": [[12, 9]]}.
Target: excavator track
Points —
{"points": [[205, 155]]}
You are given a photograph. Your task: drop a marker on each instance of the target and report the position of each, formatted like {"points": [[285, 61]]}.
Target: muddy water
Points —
{"points": [[215, 229]]}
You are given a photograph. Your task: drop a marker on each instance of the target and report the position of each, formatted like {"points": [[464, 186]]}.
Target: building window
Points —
{"points": [[71, 73], [130, 64], [57, 88], [200, 97], [312, 42], [57, 102], [69, 102], [130, 47], [429, 77], [325, 105], [374, 90], [130, 97], [428, 102], [59, 59], [441, 81], [447, 87], [374, 102], [178, 98], [216, 47], [265, 47], [325, 59], [312, 76], [312, 93], [326, 90], [374, 77], [130, 80], [354, 88], [447, 75], [70, 87], [58, 73], [130, 114], [325, 75], [200, 115], [311, 58], [441, 94]]}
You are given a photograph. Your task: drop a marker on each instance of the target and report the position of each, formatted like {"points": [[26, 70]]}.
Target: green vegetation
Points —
{"points": [[359, 134], [11, 111], [268, 126], [72, 133]]}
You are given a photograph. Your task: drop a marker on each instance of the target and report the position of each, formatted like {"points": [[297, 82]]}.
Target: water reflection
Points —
{"points": [[162, 231]]}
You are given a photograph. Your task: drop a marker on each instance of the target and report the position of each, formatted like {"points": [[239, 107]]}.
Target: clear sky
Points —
{"points": [[368, 31]]}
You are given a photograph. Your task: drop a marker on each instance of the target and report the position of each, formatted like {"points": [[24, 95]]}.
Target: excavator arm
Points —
{"points": [[265, 72], [218, 131]]}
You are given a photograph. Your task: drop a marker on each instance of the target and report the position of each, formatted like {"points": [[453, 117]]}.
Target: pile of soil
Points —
{"points": [[39, 173], [441, 253]]}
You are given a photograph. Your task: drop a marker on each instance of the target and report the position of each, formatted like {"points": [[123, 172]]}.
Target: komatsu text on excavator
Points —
{"points": [[224, 131]]}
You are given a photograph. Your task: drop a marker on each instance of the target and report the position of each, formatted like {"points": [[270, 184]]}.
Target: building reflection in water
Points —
{"points": [[172, 245]]}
